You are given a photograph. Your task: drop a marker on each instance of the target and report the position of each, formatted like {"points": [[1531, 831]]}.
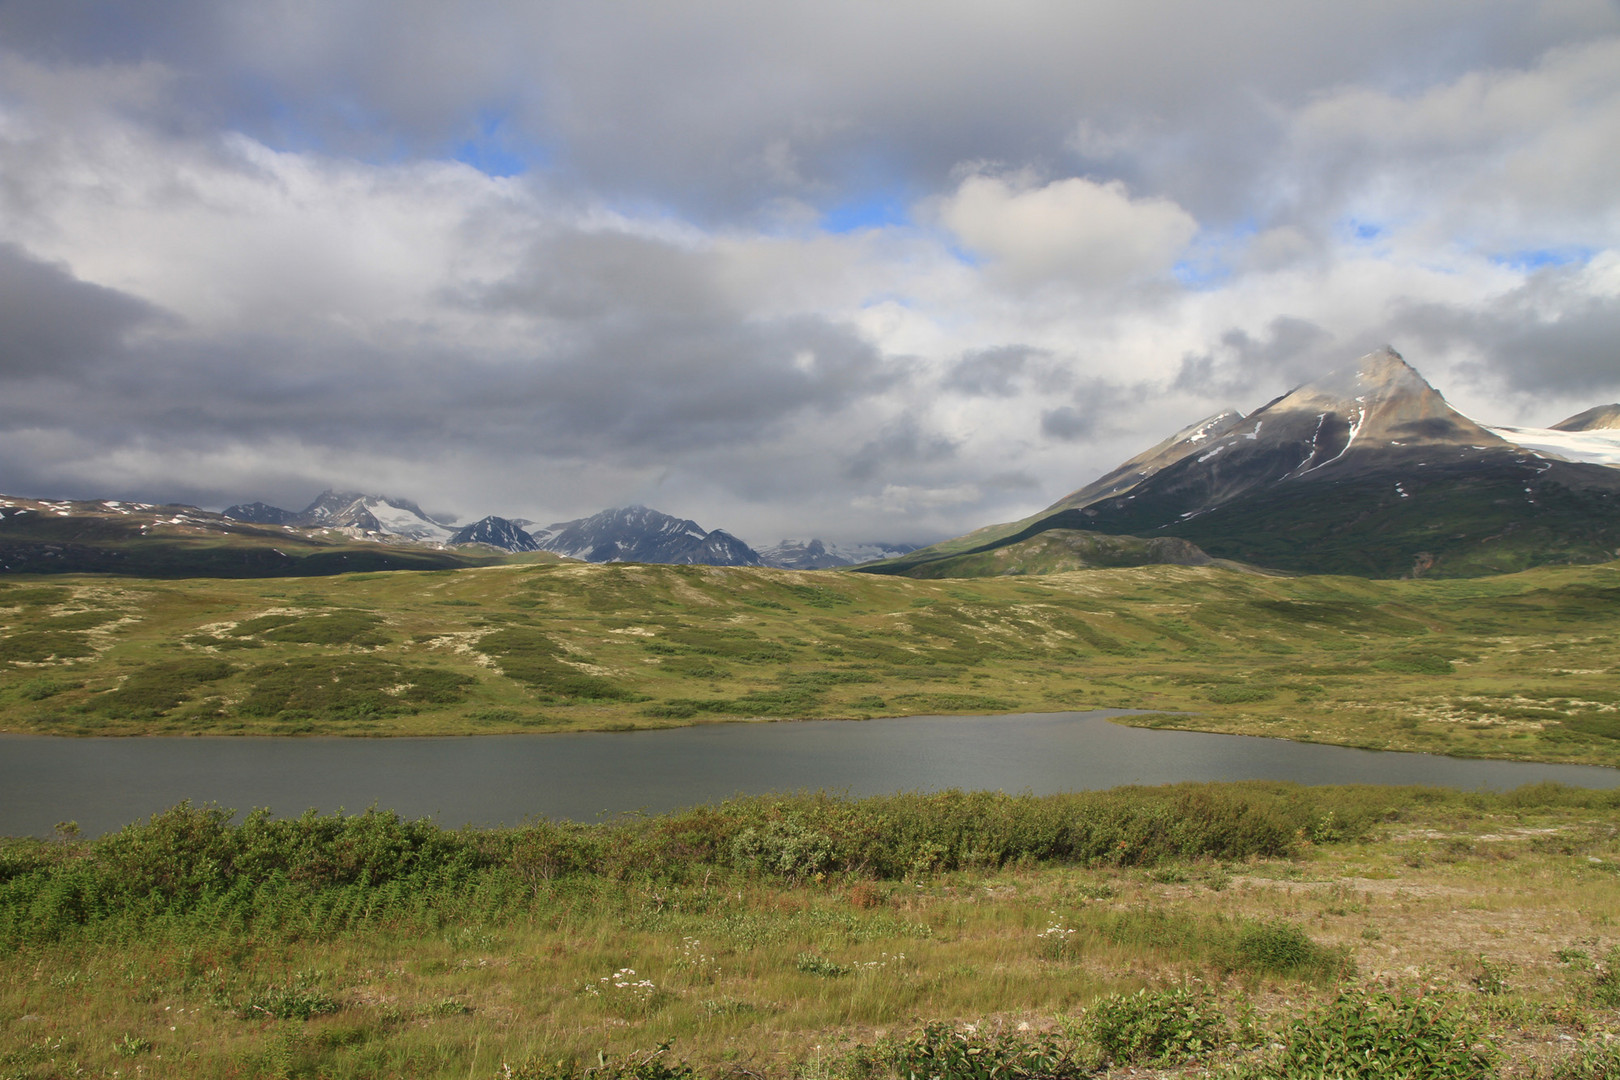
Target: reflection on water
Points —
{"points": [[105, 783]]}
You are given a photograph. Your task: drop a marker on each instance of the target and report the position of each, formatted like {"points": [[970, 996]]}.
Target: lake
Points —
{"points": [[106, 783]]}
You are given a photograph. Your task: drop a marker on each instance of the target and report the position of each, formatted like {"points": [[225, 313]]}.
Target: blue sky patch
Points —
{"points": [[873, 213], [496, 151], [1537, 258]]}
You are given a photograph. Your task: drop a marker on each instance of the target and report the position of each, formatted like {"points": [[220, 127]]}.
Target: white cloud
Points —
{"points": [[1076, 231]]}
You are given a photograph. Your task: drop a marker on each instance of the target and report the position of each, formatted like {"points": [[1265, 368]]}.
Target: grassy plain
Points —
{"points": [[1187, 931], [1516, 666]]}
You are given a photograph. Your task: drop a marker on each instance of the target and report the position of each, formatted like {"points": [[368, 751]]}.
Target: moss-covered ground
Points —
{"points": [[1521, 665]]}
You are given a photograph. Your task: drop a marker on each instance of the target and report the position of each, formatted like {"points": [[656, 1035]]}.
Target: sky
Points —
{"points": [[868, 272]]}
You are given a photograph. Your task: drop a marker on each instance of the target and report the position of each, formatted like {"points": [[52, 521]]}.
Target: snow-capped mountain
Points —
{"points": [[1367, 470], [816, 555], [637, 534], [496, 532], [372, 513], [354, 511]]}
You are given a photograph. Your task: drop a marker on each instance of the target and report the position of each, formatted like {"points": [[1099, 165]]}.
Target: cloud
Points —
{"points": [[746, 263], [1291, 352], [1551, 334], [1076, 231], [55, 325]]}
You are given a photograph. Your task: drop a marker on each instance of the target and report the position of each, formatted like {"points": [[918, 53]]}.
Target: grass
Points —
{"points": [[1435, 933], [1515, 666]]}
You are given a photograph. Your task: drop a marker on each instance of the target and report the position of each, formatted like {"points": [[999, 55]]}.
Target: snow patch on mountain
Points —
{"points": [[1598, 446]]}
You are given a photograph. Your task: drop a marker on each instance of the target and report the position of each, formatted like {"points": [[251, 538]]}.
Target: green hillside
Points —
{"points": [[1516, 665]]}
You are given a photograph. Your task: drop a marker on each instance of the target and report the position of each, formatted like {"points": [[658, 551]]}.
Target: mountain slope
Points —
{"points": [[1366, 471], [637, 534], [1602, 418], [1056, 551], [496, 532]]}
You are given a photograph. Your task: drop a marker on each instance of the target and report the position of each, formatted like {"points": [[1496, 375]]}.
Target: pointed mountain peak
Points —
{"points": [[1383, 401]]}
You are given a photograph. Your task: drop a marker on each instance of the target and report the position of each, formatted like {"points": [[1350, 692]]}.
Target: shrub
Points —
{"points": [[294, 1002], [154, 689], [1278, 947], [785, 847], [940, 1052], [1239, 693], [1162, 1026], [812, 964], [1382, 1036]]}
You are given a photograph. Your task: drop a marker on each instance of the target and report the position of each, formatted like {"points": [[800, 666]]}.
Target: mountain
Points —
{"points": [[39, 536], [496, 532], [637, 534], [1057, 550], [371, 514], [1602, 418], [258, 513], [815, 555], [1366, 471]]}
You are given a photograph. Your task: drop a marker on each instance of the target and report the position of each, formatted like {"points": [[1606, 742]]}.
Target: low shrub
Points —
{"points": [[1159, 1026], [1362, 1036], [942, 1052]]}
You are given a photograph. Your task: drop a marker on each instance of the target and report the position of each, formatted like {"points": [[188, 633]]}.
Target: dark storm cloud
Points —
{"points": [[1542, 336], [51, 323]]}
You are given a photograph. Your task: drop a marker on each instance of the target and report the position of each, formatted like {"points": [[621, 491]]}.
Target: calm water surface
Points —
{"points": [[106, 783]]}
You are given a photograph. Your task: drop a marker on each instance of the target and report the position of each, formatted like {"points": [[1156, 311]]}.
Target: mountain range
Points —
{"points": [[1365, 471], [624, 534]]}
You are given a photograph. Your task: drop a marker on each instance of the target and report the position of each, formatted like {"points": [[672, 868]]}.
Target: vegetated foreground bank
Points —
{"points": [[1521, 665], [1258, 929]]}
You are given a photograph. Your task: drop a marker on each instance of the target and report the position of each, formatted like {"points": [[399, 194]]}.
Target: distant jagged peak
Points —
{"points": [[1600, 418], [496, 532], [259, 513]]}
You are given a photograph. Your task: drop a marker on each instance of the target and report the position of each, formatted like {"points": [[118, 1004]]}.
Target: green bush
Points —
{"points": [[154, 689], [941, 1052], [1362, 1036], [38, 646], [348, 688], [1277, 947], [1239, 693], [813, 964], [1160, 1026], [294, 1002]]}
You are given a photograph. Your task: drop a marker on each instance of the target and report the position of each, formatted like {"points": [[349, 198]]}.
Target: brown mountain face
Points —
{"points": [[1602, 418]]}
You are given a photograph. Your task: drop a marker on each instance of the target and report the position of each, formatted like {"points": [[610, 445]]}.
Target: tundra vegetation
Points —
{"points": [[1515, 666], [1240, 931]]}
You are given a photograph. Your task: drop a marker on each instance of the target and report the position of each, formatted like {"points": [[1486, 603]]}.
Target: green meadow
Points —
{"points": [[1513, 666], [1243, 931]]}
